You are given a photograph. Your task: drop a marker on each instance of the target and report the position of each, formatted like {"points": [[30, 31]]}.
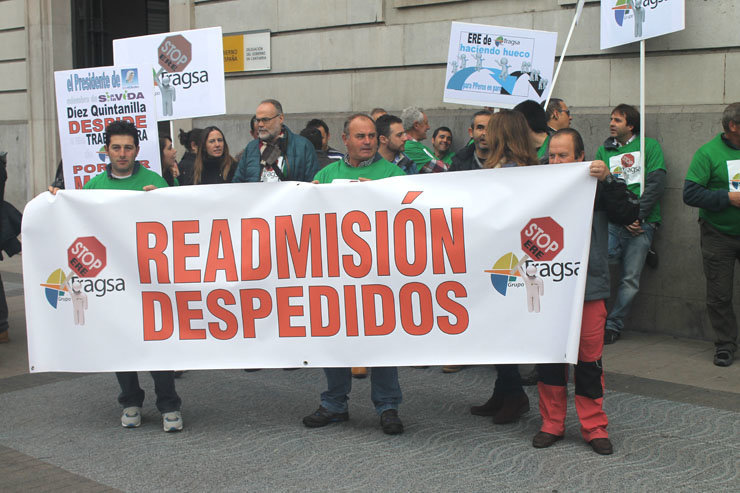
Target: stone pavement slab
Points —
{"points": [[243, 433]]}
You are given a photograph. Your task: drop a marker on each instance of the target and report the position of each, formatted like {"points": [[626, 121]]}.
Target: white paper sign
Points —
{"points": [[413, 270], [627, 21], [187, 68], [733, 175], [91, 98], [628, 167], [498, 66]]}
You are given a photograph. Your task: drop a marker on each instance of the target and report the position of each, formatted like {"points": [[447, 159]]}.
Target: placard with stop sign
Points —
{"points": [[86, 256], [542, 238], [175, 53]]}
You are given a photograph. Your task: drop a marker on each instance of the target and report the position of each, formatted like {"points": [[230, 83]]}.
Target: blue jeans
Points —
{"points": [[631, 251], [385, 391]]}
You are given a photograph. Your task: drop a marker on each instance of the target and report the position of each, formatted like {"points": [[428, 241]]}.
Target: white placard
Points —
{"points": [[187, 67], [627, 21], [498, 66], [413, 270], [87, 101]]}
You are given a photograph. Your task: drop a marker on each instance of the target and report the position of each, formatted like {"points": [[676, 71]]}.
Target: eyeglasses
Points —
{"points": [[567, 112], [265, 120]]}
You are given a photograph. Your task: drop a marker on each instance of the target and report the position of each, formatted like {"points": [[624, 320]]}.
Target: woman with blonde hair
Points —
{"points": [[509, 141], [510, 145], [213, 163]]}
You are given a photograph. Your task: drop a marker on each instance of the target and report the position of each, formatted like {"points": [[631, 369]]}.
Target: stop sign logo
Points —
{"points": [[175, 53], [542, 238], [86, 256]]}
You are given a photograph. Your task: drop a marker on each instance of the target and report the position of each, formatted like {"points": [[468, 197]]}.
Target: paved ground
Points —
{"points": [[675, 424]]}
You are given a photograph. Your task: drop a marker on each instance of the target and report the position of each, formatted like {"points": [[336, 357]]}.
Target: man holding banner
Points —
{"points": [[125, 173], [361, 162], [630, 244], [615, 203]]}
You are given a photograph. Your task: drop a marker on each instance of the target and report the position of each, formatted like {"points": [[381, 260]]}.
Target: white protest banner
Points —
{"points": [[627, 21], [407, 270], [187, 68], [498, 66], [91, 98]]}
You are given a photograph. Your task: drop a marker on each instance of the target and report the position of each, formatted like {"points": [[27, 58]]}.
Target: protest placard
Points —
{"points": [[87, 101], [498, 66], [402, 271], [187, 68], [627, 21]]}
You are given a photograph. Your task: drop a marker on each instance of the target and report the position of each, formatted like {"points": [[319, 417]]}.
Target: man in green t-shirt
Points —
{"points": [[416, 124], [360, 163], [442, 144], [630, 244], [124, 172], [713, 184]]}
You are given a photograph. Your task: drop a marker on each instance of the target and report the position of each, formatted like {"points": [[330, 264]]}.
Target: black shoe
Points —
{"points": [[610, 336], [602, 446], [491, 406], [323, 417], [390, 422], [723, 357], [513, 408], [543, 439]]}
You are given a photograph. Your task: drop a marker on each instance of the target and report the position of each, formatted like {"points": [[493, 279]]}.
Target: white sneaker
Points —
{"points": [[131, 417], [172, 421]]}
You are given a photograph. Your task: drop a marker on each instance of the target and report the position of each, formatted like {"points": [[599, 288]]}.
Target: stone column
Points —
{"points": [[49, 31]]}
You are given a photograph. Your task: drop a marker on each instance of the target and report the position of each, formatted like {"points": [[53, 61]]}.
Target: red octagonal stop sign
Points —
{"points": [[175, 53], [542, 238], [86, 256]]}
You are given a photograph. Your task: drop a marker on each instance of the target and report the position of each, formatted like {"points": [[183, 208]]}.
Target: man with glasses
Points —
{"points": [[558, 115], [277, 154]]}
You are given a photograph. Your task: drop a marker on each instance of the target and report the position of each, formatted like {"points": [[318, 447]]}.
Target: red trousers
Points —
{"points": [[588, 378]]}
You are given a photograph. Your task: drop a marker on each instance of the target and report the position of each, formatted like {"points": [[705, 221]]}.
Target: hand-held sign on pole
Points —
{"points": [[576, 17], [642, 118]]}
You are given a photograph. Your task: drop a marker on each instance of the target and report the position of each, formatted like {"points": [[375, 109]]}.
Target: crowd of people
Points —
{"points": [[379, 145]]}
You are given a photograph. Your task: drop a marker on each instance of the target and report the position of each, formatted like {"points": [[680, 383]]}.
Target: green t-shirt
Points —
{"points": [[716, 166], [339, 170], [625, 163], [542, 151], [141, 178], [448, 158], [418, 153]]}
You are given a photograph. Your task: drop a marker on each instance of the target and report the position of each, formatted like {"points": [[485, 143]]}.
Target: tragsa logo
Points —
{"points": [[504, 274], [618, 173], [55, 288], [620, 11], [735, 181]]}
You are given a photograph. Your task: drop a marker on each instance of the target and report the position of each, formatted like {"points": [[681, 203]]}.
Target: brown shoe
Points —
{"points": [[359, 371], [451, 368], [543, 439], [513, 408], [602, 446], [490, 408], [4, 337]]}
